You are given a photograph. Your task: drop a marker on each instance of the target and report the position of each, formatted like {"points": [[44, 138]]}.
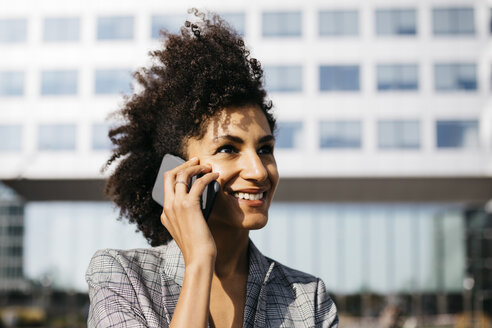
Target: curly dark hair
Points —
{"points": [[193, 77]]}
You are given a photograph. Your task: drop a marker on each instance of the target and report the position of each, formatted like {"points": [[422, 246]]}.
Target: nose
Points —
{"points": [[252, 167]]}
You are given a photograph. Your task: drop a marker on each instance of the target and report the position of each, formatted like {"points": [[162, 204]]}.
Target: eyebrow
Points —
{"points": [[239, 140]]}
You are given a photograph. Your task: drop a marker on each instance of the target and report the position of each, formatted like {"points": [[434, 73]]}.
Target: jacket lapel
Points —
{"points": [[259, 275], [172, 275]]}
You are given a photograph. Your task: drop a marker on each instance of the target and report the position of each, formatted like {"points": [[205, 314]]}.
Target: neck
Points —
{"points": [[232, 252]]}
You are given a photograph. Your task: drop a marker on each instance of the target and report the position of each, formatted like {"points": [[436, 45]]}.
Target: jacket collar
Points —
{"points": [[174, 266]]}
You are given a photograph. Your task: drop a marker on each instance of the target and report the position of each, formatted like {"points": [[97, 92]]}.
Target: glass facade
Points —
{"points": [[338, 23], [340, 134], [13, 30], [282, 24], [283, 78], [59, 82], [112, 81], [115, 28], [56, 137], [396, 22], [453, 21], [375, 248], [100, 138], [339, 78], [289, 135], [398, 134], [457, 134], [237, 21], [59, 29], [455, 77], [11, 83], [10, 137], [397, 77], [170, 23]]}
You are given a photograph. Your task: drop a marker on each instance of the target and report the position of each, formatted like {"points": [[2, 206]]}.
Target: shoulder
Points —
{"points": [[114, 261], [307, 295]]}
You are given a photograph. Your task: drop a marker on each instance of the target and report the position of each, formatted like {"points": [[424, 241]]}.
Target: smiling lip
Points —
{"points": [[249, 197]]}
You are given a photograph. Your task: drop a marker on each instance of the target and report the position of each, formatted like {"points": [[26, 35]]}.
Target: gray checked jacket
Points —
{"points": [[140, 288]]}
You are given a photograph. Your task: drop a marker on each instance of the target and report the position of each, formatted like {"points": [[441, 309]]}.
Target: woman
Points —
{"points": [[202, 100]]}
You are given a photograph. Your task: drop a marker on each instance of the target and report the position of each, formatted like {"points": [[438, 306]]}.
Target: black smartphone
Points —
{"points": [[207, 198]]}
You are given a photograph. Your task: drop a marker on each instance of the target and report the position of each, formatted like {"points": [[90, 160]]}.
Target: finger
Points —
{"points": [[200, 183], [170, 178], [183, 178]]}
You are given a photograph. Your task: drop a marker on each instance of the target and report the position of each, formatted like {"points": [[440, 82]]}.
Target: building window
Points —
{"points": [[170, 23], [455, 76], [59, 82], [398, 134], [289, 135], [112, 81], [339, 78], [396, 22], [61, 29], [282, 24], [10, 138], [237, 21], [453, 21], [115, 28], [13, 30], [283, 78], [397, 77], [11, 83], [56, 137], [100, 138], [457, 134], [338, 23], [340, 134]]}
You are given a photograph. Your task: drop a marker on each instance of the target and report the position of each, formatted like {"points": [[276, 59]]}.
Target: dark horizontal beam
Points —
{"points": [[420, 189]]}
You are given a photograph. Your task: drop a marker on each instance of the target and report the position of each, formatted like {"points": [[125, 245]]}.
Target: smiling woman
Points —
{"points": [[202, 100]]}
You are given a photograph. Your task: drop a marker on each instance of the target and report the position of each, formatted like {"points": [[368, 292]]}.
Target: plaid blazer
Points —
{"points": [[140, 288]]}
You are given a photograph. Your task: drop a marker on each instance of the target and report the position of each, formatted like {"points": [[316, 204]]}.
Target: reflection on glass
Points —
{"points": [[457, 134], [289, 135], [13, 30], [112, 81], [397, 77], [59, 82], [10, 137], [283, 78], [453, 21], [11, 83], [338, 23], [339, 78], [340, 134], [455, 76], [115, 28], [396, 22], [282, 24], [398, 134], [61, 29], [56, 137]]}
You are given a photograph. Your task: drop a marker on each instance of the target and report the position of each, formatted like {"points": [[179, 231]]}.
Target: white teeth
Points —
{"points": [[245, 195]]}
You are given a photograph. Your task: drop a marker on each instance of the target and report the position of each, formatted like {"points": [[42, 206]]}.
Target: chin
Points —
{"points": [[254, 222]]}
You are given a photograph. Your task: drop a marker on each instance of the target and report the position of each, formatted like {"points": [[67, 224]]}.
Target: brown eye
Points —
{"points": [[265, 150], [227, 149]]}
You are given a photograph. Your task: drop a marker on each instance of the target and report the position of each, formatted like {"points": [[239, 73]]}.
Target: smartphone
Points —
{"points": [[207, 198]]}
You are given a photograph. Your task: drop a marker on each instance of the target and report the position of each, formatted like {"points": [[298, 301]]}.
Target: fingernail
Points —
{"points": [[194, 159]]}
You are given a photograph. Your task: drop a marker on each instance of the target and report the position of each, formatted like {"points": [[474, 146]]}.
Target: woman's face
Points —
{"points": [[238, 144]]}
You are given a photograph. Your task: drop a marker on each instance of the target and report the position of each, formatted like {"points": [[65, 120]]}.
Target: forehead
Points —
{"points": [[248, 119]]}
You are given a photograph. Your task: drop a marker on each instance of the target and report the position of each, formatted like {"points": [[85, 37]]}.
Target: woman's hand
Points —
{"points": [[182, 215]]}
